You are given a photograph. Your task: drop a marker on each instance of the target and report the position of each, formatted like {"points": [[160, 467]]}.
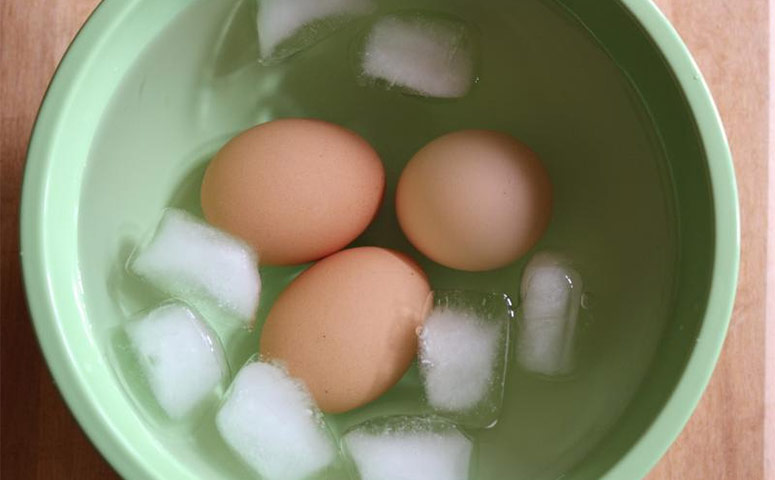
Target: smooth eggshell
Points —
{"points": [[295, 189], [347, 325], [474, 200]]}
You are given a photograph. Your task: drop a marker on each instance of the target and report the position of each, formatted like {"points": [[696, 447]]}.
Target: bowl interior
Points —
{"points": [[164, 84]]}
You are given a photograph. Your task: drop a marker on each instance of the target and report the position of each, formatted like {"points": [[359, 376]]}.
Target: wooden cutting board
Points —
{"points": [[725, 438]]}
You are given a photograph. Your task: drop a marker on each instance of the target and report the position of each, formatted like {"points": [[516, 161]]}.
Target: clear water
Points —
{"points": [[542, 78]]}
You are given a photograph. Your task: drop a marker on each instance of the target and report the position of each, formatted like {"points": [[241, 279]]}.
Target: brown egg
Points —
{"points": [[295, 189], [346, 326], [474, 200]]}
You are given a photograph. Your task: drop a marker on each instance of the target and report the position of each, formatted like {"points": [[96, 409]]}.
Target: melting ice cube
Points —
{"points": [[423, 54], [202, 265], [409, 448], [551, 295], [179, 355], [463, 349], [288, 26], [271, 421]]}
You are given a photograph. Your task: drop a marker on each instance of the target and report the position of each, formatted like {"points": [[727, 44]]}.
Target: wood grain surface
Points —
{"points": [[725, 439]]}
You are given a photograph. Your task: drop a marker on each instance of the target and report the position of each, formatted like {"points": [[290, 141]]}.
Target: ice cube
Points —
{"points": [[202, 265], [181, 358], [463, 349], [271, 421], [422, 54], [551, 295], [409, 448], [288, 26]]}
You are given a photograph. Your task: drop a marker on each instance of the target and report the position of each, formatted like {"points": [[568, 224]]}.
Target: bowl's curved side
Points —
{"points": [[678, 409], [49, 240], [49, 236]]}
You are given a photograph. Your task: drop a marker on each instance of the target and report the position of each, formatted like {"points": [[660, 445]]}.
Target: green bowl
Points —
{"points": [[605, 92]]}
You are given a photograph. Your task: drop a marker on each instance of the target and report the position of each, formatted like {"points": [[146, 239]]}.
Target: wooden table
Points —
{"points": [[725, 438]]}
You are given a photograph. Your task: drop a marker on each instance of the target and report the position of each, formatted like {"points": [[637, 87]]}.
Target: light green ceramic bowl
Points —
{"points": [[605, 92]]}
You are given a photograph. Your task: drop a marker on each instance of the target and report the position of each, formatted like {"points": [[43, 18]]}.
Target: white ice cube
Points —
{"points": [[424, 55], [409, 448], [551, 296], [280, 20], [271, 421], [202, 265], [179, 355], [458, 355], [463, 352]]}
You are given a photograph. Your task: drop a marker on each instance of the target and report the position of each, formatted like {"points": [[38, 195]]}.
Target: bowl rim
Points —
{"points": [[635, 463], [681, 403]]}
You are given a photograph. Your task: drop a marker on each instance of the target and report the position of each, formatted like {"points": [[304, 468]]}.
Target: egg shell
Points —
{"points": [[347, 326], [296, 189], [474, 200]]}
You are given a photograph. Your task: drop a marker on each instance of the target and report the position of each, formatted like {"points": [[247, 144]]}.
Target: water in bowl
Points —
{"points": [[542, 78]]}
